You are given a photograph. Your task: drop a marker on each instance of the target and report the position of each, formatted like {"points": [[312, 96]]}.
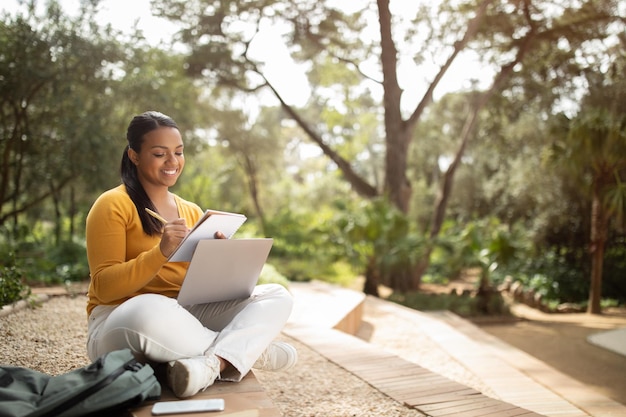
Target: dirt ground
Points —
{"points": [[560, 340]]}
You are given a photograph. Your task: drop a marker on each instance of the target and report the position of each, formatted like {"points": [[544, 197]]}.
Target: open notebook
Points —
{"points": [[224, 269], [211, 222]]}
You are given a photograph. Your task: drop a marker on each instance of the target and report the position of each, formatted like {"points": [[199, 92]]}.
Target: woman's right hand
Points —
{"points": [[173, 233]]}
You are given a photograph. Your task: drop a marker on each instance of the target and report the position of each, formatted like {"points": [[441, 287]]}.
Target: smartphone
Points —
{"points": [[187, 406]]}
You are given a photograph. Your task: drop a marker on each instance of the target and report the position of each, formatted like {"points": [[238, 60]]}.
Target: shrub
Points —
{"points": [[463, 305], [269, 275], [12, 288]]}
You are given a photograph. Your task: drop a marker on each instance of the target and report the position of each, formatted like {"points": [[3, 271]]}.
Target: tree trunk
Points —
{"points": [[251, 174], [372, 279], [420, 269], [596, 249], [72, 213], [58, 223], [397, 136]]}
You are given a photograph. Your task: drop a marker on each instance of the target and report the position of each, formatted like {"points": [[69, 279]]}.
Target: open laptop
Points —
{"points": [[224, 269]]}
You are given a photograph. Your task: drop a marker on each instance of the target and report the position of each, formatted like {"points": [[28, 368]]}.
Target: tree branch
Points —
{"points": [[34, 202], [472, 28], [357, 183]]}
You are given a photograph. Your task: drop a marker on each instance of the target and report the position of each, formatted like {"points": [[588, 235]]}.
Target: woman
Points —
{"points": [[132, 293]]}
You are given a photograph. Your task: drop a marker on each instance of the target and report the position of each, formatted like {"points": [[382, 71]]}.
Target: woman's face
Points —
{"points": [[160, 160]]}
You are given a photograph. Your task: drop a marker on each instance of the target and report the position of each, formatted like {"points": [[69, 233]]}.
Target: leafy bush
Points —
{"points": [[377, 238], [554, 276], [304, 246], [12, 288], [488, 244], [269, 275], [463, 305], [44, 263], [70, 262], [613, 282]]}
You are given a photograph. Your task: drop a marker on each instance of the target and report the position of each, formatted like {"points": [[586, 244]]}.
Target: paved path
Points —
{"points": [[461, 351], [562, 341]]}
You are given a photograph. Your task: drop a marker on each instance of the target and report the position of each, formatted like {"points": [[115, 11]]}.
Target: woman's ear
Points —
{"points": [[133, 156]]}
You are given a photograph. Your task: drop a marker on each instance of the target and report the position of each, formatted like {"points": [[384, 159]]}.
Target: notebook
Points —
{"points": [[211, 222], [224, 269]]}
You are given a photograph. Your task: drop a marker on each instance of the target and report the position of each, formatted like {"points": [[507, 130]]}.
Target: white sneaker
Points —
{"points": [[187, 377], [279, 356]]}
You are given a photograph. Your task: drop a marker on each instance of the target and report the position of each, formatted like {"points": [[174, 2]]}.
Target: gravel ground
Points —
{"points": [[51, 339]]}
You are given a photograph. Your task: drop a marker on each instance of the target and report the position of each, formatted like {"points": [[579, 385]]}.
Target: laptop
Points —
{"points": [[224, 269]]}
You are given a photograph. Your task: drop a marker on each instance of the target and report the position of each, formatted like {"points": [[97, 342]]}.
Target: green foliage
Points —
{"points": [[270, 275], [487, 244], [70, 262], [302, 249], [377, 234], [463, 305], [613, 282], [75, 85], [555, 276], [12, 287], [53, 73], [560, 274], [503, 251], [42, 261]]}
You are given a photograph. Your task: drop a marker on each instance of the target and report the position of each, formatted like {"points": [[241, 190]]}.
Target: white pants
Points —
{"points": [[158, 329]]}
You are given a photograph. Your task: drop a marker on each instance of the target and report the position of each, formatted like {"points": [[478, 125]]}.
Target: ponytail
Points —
{"points": [[138, 127]]}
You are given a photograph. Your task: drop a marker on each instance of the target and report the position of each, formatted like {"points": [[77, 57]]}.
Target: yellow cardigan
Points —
{"points": [[123, 260]]}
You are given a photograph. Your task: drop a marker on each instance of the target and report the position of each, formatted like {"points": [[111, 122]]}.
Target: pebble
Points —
{"points": [[51, 338]]}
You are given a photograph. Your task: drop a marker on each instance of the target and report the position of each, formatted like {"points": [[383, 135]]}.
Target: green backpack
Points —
{"points": [[113, 382]]}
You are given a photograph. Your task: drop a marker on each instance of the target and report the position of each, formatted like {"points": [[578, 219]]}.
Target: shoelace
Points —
{"points": [[263, 360], [216, 366]]}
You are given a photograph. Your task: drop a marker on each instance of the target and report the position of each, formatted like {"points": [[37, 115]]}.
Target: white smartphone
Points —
{"points": [[187, 406]]}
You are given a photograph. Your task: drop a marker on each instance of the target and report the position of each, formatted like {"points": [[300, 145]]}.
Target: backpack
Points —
{"points": [[113, 382]]}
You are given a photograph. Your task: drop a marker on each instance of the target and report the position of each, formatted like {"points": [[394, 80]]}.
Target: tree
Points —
{"points": [[220, 35], [51, 79], [67, 90], [532, 52], [593, 149], [256, 150]]}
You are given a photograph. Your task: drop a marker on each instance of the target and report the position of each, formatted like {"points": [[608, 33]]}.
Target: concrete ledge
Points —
{"points": [[19, 305], [242, 399], [321, 305]]}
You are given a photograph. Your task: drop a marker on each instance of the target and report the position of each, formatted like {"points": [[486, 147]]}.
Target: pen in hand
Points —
{"points": [[218, 234], [156, 216]]}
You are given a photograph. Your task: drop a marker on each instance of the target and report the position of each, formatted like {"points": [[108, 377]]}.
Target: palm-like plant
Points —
{"points": [[594, 149]]}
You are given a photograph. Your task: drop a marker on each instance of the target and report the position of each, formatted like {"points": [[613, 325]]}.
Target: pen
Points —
{"points": [[156, 215]]}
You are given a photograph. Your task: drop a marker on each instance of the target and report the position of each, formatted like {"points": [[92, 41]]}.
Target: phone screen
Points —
{"points": [[187, 406]]}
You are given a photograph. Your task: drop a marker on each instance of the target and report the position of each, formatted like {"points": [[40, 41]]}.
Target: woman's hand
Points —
{"points": [[173, 233]]}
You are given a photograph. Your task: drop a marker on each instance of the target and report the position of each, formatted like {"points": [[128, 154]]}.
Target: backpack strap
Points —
{"points": [[5, 378], [131, 365]]}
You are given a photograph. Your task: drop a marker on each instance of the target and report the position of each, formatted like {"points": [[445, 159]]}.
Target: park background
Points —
{"points": [[404, 146]]}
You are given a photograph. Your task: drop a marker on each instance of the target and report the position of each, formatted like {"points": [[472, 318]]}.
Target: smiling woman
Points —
{"points": [[132, 293], [151, 163]]}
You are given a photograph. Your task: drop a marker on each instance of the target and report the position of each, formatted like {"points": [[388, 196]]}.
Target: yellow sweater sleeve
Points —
{"points": [[123, 260]]}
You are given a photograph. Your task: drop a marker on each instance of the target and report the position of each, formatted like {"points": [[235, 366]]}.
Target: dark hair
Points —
{"points": [[138, 127]]}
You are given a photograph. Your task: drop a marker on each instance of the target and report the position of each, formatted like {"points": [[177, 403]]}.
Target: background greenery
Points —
{"points": [[520, 177]]}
